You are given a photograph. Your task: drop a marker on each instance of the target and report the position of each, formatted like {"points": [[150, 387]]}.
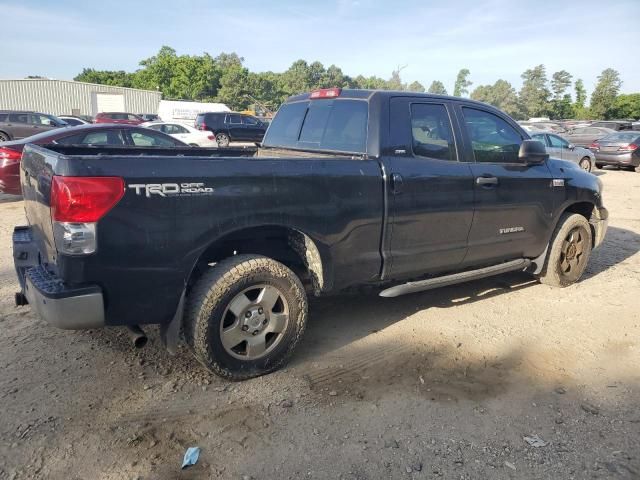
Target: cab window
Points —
{"points": [[541, 137], [431, 132], [492, 138]]}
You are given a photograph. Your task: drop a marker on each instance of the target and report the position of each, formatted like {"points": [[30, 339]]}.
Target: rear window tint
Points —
{"points": [[3, 117], [337, 125]]}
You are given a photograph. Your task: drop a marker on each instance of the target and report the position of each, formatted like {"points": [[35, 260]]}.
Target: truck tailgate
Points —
{"points": [[36, 173]]}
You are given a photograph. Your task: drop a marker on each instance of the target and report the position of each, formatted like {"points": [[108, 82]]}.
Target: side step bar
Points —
{"points": [[447, 280]]}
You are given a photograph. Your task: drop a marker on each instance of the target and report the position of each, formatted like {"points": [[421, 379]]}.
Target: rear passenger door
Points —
{"points": [[429, 190], [513, 201], [19, 125]]}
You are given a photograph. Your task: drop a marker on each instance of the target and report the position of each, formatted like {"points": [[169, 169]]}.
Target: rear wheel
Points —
{"points": [[630, 168], [585, 164], [4, 137], [569, 251], [222, 139], [245, 316], [599, 166]]}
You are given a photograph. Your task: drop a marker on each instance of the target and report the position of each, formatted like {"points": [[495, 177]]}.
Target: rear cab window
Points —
{"points": [[336, 125]]}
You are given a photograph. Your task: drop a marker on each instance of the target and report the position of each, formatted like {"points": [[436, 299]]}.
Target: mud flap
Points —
{"points": [[170, 332]]}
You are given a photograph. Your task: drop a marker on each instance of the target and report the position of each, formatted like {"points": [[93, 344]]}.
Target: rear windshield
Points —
{"points": [[332, 125], [621, 137]]}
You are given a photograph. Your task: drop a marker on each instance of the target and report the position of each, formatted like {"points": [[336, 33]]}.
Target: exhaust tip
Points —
{"points": [[140, 341], [137, 335]]}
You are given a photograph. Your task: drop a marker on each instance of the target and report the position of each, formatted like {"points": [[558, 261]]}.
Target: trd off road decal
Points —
{"points": [[171, 189]]}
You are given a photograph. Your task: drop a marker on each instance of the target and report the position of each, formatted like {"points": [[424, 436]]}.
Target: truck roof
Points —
{"points": [[383, 94]]}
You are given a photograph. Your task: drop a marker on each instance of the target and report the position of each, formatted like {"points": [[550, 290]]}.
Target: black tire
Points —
{"points": [[222, 139], [599, 166], [4, 137], [569, 251], [207, 313], [585, 164], [629, 168]]}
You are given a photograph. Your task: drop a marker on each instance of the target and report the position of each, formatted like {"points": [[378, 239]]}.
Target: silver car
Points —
{"points": [[558, 147]]}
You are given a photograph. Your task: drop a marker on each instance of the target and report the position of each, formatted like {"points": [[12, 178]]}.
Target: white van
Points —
{"points": [[185, 112]]}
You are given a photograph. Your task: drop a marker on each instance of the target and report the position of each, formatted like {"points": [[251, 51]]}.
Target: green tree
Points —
{"points": [[501, 95], [462, 85], [560, 81], [234, 88], [416, 87], [605, 93], [118, 78], [534, 94], [180, 77], [437, 87], [626, 106], [581, 93], [395, 82], [372, 83], [561, 106]]}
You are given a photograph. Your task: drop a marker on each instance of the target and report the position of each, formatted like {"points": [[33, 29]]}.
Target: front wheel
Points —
{"points": [[4, 137], [569, 251], [245, 316], [585, 164], [222, 139]]}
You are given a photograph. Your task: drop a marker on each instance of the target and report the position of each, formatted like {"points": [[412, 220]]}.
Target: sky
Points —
{"points": [[492, 38]]}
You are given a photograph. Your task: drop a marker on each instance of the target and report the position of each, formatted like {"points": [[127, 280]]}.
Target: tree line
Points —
{"points": [[225, 79]]}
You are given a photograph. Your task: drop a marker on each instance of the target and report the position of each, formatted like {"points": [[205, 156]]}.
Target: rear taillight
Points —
{"points": [[632, 147], [201, 126], [594, 146], [77, 203], [325, 93], [211, 137], [8, 156]]}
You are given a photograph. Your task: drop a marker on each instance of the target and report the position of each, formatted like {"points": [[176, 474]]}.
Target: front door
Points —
{"points": [[235, 127], [513, 201], [430, 190]]}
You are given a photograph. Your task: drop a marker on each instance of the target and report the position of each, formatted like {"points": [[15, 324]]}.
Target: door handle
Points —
{"points": [[396, 183], [486, 181]]}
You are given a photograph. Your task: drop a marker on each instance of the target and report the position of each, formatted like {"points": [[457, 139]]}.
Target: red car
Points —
{"points": [[90, 134], [121, 118]]}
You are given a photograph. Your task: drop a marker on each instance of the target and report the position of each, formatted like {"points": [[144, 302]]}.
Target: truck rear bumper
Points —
{"points": [[61, 305]]}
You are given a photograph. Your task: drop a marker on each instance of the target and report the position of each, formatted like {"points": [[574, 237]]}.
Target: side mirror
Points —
{"points": [[532, 152]]}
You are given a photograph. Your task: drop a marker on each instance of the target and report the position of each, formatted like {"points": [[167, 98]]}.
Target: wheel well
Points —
{"points": [[5, 133], [288, 246], [583, 208]]}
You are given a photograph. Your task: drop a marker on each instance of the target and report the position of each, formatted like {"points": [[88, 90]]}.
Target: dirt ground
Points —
{"points": [[440, 384]]}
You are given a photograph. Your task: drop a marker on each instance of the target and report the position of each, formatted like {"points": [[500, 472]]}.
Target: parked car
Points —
{"points": [[558, 147], [119, 117], [16, 124], [621, 149], [585, 136], [73, 121], [399, 191], [149, 117], [231, 127], [91, 134], [184, 133], [614, 124]]}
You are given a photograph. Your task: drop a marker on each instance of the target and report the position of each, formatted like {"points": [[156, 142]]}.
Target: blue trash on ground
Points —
{"points": [[190, 457]]}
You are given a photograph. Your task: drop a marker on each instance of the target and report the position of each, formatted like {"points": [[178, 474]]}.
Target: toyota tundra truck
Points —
{"points": [[395, 191]]}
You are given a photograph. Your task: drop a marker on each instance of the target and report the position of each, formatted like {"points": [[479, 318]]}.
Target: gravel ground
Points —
{"points": [[499, 378]]}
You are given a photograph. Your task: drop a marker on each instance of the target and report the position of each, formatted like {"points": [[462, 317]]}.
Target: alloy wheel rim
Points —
{"points": [[572, 252], [254, 322]]}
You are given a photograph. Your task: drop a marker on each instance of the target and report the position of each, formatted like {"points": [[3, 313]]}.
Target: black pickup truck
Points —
{"points": [[392, 190]]}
